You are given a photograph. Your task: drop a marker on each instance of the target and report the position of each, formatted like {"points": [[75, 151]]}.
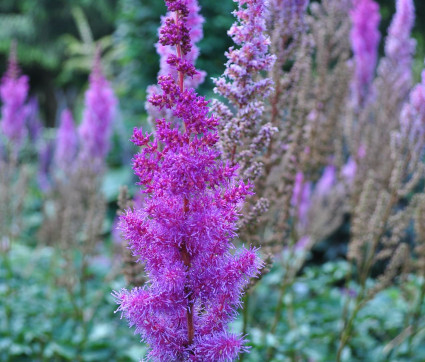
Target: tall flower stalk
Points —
{"points": [[194, 25], [364, 38], [99, 111], [183, 232], [13, 91]]}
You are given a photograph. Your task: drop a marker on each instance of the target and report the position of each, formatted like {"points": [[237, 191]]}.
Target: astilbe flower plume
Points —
{"points": [[365, 37], [99, 111], [412, 119], [194, 25], [183, 232], [13, 91], [33, 122], [400, 47], [242, 88], [66, 141]]}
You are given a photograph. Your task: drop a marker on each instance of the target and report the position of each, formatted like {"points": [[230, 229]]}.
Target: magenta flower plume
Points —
{"points": [[194, 25], [13, 91], [365, 37], [99, 111], [66, 141], [183, 232]]}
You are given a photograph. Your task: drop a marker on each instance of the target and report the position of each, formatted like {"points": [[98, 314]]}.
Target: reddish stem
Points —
{"points": [[179, 54], [188, 292], [184, 253]]}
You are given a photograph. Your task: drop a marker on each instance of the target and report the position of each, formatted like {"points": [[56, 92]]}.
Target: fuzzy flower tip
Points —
{"points": [[33, 123], [184, 230], [412, 120], [364, 38], [13, 91], [99, 111], [194, 25], [244, 91], [66, 140], [400, 47], [238, 82]]}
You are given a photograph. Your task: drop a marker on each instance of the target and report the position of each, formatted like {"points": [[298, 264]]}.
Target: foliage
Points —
{"points": [[45, 325]]}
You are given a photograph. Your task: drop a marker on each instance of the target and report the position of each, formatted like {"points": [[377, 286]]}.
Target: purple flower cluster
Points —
{"points": [[244, 132], [66, 141], [99, 111], [238, 83], [194, 25], [14, 91], [183, 232], [365, 37], [399, 47], [33, 122]]}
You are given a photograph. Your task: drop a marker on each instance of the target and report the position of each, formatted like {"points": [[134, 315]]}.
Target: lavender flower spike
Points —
{"points": [[66, 141], [183, 232], [99, 111], [412, 120], [364, 38], [245, 92], [34, 124], [13, 91], [399, 47]]}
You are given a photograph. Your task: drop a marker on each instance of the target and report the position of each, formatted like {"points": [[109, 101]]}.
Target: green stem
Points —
{"points": [[415, 318], [277, 316], [245, 313], [348, 326]]}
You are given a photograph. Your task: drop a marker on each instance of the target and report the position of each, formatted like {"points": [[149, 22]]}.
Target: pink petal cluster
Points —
{"points": [[66, 141], [183, 231], [365, 37], [99, 111], [13, 92]]}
